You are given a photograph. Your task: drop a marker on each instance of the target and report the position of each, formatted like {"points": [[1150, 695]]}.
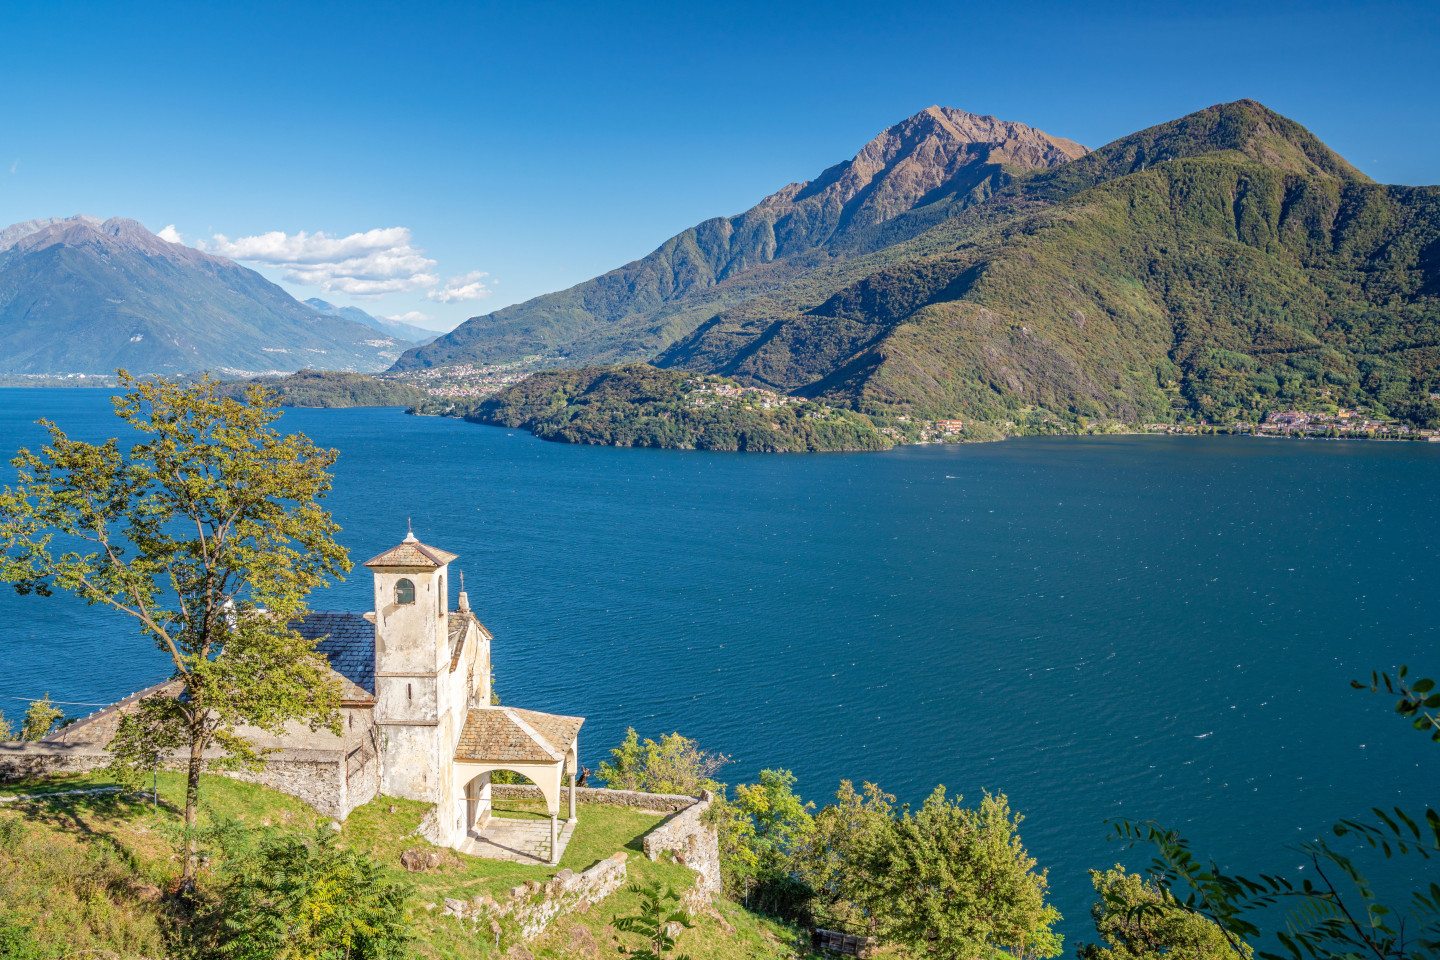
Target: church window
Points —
{"points": [[440, 596], [404, 592]]}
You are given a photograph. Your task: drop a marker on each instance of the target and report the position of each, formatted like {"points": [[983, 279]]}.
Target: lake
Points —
{"points": [[1151, 627]]}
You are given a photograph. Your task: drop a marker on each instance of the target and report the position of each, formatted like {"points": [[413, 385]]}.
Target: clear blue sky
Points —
{"points": [[540, 144]]}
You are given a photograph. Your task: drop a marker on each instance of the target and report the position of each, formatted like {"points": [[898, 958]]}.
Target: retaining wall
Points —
{"points": [[314, 776], [692, 842]]}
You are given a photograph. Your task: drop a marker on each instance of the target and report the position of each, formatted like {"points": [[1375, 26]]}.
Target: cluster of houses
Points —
{"points": [[468, 380], [705, 393]]}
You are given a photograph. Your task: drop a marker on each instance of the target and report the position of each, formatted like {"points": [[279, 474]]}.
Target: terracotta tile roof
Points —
{"points": [[506, 734], [347, 640], [560, 732], [412, 553], [100, 726]]}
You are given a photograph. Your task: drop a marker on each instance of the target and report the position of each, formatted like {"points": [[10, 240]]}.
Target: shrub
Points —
{"points": [[294, 897], [674, 765]]}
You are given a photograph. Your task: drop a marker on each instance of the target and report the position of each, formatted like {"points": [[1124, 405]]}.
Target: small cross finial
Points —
{"points": [[409, 532]]}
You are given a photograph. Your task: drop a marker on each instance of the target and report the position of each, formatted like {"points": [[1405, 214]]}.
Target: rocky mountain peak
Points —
{"points": [[108, 236], [908, 163]]}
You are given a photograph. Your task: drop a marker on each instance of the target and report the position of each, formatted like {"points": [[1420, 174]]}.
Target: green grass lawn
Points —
{"points": [[88, 872]]}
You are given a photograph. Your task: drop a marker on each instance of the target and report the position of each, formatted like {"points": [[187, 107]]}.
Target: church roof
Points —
{"points": [[457, 622], [512, 735], [412, 553], [347, 640]]}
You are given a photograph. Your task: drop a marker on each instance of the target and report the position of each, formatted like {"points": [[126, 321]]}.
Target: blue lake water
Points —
{"points": [[1143, 626]]}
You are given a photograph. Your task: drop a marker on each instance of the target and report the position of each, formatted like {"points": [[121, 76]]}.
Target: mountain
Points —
{"points": [[899, 184], [84, 296], [392, 328], [1226, 263]]}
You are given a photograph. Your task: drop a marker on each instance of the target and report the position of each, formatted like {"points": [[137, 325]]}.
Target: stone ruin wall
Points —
{"points": [[315, 776], [692, 842], [684, 835]]}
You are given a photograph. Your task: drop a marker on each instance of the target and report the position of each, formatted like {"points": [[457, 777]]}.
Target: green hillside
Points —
{"points": [[1218, 266], [82, 296], [330, 388], [637, 405], [1222, 263], [898, 185]]}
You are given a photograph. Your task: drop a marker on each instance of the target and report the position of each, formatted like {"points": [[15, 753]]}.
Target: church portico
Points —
{"points": [[542, 747]]}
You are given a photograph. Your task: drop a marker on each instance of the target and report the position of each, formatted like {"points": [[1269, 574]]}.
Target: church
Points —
{"points": [[416, 712]]}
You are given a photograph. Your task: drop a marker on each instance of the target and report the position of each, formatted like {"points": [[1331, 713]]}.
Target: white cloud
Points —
{"points": [[170, 235], [414, 318], [368, 264], [467, 286]]}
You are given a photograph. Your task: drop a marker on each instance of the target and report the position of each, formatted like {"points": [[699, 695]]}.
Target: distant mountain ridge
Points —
{"points": [[393, 328], [893, 187], [81, 295], [1216, 266]]}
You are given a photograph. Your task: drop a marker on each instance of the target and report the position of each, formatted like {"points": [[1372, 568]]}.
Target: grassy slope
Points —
{"points": [[637, 405], [87, 872]]}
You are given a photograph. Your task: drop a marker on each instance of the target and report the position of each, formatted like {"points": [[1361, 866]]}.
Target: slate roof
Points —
{"points": [[412, 553], [511, 735], [349, 644], [457, 621]]}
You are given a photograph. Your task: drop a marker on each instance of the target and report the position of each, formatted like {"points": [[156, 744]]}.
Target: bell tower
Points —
{"points": [[412, 661]]}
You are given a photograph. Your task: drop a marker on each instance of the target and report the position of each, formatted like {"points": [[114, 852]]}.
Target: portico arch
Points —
{"points": [[539, 746]]}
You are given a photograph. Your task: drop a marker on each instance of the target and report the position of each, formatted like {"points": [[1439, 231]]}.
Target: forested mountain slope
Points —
{"points": [[1227, 261], [898, 185], [84, 296]]}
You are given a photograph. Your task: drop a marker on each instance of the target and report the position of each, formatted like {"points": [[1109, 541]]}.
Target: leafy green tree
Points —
{"points": [[39, 719], [7, 732], [761, 831], [659, 914], [208, 531], [299, 898], [824, 856], [674, 765], [951, 881], [1339, 914], [1140, 920]]}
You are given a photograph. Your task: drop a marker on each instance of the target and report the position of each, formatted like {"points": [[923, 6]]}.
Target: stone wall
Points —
{"points": [[692, 842], [663, 802], [314, 776], [535, 905], [35, 759]]}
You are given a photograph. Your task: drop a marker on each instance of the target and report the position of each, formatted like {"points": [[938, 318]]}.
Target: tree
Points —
{"points": [[7, 732], [824, 856], [761, 830], [1140, 920], [658, 911], [39, 719], [1339, 915], [299, 898], [209, 533], [951, 881], [674, 765]]}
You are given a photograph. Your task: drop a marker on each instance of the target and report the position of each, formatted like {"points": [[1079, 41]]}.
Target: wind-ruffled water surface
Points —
{"points": [[1146, 627]]}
